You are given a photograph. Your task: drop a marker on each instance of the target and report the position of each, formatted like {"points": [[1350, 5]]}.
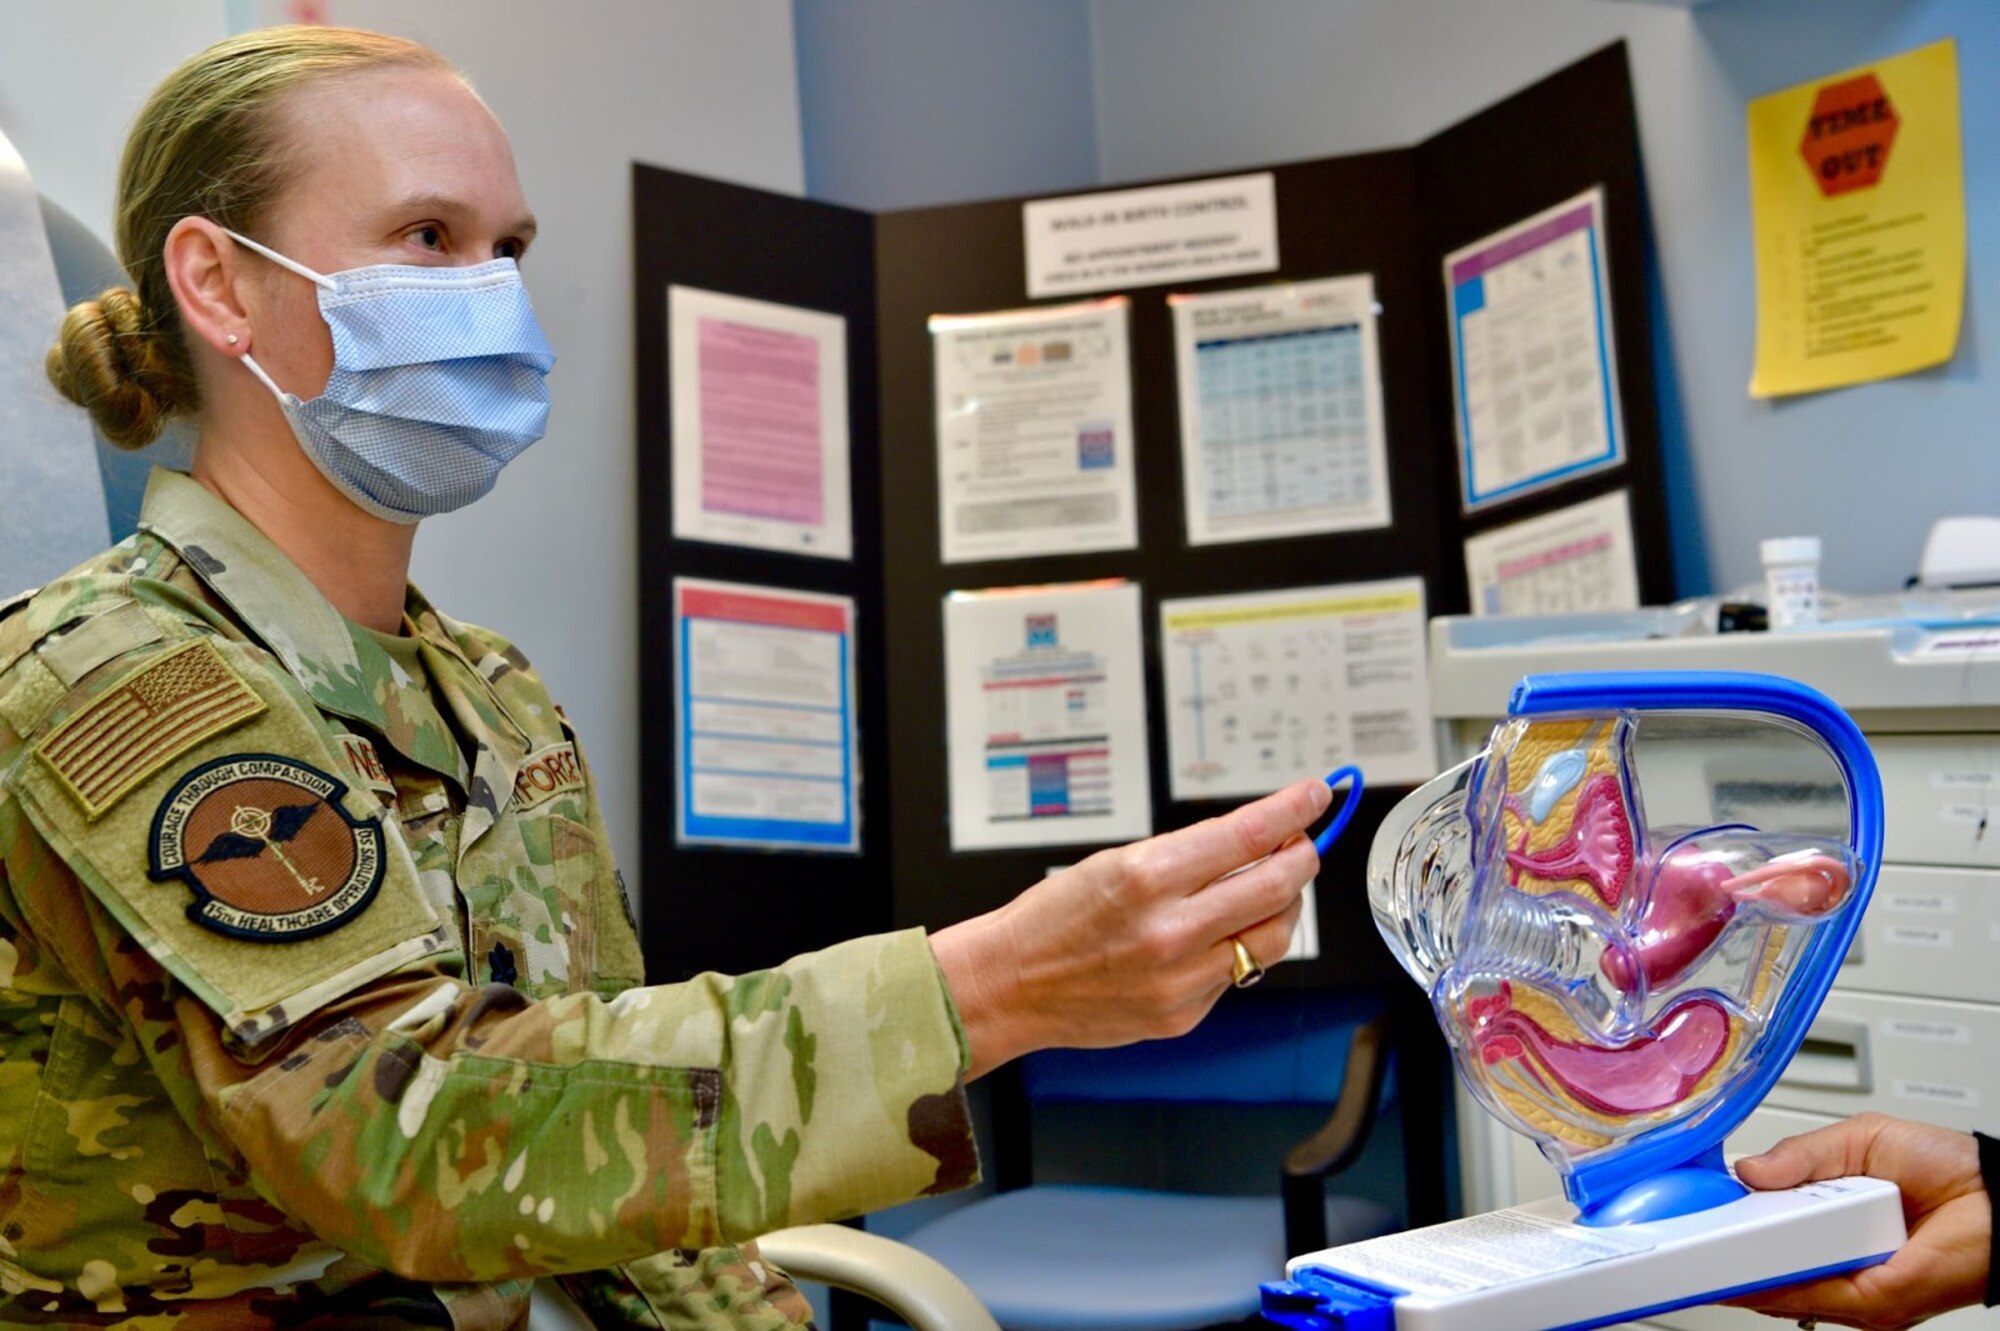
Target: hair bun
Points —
{"points": [[110, 362]]}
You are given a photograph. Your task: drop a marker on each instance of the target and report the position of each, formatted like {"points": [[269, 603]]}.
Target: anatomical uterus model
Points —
{"points": [[1577, 868]]}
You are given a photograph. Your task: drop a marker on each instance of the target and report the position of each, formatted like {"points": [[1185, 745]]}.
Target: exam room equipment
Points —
{"points": [[1626, 910], [1920, 674]]}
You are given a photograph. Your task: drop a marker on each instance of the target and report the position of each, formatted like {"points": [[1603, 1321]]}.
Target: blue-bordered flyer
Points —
{"points": [[766, 744], [1533, 370]]}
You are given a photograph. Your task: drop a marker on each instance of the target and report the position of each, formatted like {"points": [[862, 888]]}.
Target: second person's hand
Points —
{"points": [[1942, 1265]]}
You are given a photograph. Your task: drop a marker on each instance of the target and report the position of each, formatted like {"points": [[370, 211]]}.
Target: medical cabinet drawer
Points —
{"points": [[1930, 933], [1937, 794], [1917, 1058]]}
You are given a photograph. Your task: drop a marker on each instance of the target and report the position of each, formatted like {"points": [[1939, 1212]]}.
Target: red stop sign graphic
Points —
{"points": [[1848, 136]]}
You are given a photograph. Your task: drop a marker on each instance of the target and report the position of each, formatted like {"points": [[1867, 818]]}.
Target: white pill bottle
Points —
{"points": [[1791, 580]]}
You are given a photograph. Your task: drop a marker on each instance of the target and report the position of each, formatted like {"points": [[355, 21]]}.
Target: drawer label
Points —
{"points": [[1965, 779], [1919, 903], [1964, 815], [1938, 1093], [1918, 935], [1942, 1032]]}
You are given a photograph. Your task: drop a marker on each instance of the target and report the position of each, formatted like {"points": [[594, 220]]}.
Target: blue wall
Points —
{"points": [[926, 101], [909, 102], [1185, 85]]}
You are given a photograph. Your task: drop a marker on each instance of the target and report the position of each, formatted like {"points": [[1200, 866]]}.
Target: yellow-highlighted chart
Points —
{"points": [[1268, 687], [1857, 194]]}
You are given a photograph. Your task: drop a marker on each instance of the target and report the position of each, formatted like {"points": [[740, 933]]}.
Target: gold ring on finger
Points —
{"points": [[1243, 970]]}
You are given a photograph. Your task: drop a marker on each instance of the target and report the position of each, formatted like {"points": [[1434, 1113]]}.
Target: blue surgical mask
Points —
{"points": [[439, 381]]}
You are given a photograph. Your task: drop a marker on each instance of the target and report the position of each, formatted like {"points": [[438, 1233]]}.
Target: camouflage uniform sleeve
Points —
{"points": [[620, 962], [443, 1131], [670, 1291]]}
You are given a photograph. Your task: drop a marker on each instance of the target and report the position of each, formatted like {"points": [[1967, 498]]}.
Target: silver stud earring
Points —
{"points": [[232, 339]]}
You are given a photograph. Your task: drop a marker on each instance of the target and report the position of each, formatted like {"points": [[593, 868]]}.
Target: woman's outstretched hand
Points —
{"points": [[1133, 943]]}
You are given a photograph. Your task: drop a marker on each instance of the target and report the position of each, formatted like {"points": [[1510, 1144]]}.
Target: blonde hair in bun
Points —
{"points": [[208, 143], [107, 362]]}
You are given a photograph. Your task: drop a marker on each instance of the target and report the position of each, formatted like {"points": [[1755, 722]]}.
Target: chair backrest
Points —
{"points": [[1264, 1046], [61, 507], [1272, 1047], [85, 266]]}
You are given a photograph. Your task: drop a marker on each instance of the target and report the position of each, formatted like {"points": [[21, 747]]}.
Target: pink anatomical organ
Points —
{"points": [[1641, 1076]]}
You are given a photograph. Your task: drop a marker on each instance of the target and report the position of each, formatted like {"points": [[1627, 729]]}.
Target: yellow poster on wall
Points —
{"points": [[1857, 198]]}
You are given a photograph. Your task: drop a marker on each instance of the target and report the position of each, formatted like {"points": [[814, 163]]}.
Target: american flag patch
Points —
{"points": [[133, 731]]}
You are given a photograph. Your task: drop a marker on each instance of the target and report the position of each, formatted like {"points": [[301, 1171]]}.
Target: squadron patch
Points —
{"points": [[118, 740], [267, 849]]}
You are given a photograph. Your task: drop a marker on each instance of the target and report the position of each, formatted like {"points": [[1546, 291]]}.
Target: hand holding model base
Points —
{"points": [[1945, 1263]]}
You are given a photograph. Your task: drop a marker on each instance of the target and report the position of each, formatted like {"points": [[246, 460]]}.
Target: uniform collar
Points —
{"points": [[336, 661], [462, 674], [332, 658]]}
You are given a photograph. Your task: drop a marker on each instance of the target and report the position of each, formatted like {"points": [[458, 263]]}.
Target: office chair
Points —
{"points": [[85, 266], [1087, 1257], [914, 1287]]}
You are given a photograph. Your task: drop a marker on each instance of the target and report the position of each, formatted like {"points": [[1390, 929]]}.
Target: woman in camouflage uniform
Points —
{"points": [[319, 999]]}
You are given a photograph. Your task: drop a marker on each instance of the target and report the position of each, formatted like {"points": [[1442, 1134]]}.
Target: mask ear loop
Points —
{"points": [[319, 279], [250, 363], [291, 265]]}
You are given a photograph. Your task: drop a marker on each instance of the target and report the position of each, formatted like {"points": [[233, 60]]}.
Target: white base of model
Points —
{"points": [[1532, 1268]]}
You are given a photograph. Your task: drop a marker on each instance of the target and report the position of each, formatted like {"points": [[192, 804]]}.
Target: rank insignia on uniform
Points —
{"points": [[267, 848], [132, 731]]}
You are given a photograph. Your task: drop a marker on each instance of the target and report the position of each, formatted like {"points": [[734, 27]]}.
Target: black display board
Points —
{"points": [[1394, 214], [1343, 215], [716, 909]]}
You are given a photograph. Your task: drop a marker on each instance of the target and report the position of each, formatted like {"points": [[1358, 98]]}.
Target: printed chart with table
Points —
{"points": [[766, 740], [1281, 408]]}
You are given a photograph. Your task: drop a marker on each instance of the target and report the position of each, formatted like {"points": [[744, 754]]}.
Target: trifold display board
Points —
{"points": [[1467, 239]]}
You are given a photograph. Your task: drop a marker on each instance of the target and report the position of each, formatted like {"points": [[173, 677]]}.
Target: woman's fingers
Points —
{"points": [[1232, 904], [1942, 1266], [1835, 1301], [1933, 1166], [1184, 862], [1268, 940], [1922, 1280], [1133, 943]]}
